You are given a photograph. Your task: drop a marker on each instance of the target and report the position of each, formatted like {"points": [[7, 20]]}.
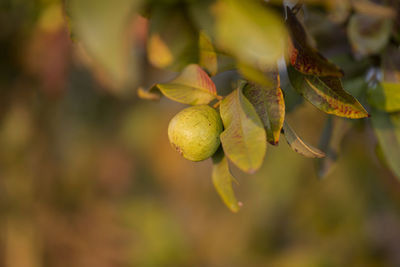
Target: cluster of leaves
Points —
{"points": [[253, 112], [248, 42], [373, 31]]}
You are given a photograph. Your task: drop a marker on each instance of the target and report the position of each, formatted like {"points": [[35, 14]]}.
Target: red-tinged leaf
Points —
{"points": [[244, 138], [303, 57], [387, 130], [270, 107], [222, 180], [327, 94], [193, 86], [299, 145]]}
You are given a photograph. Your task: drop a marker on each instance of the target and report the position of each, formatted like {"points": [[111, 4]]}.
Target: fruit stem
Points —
{"points": [[217, 104]]}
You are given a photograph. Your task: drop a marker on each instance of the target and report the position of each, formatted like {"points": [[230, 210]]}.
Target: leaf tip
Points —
{"points": [[251, 170], [274, 142], [236, 207], [148, 94]]}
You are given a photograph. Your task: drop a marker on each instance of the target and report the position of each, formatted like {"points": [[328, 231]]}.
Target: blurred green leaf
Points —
{"points": [[303, 56], [370, 8], [100, 26], [244, 138], [201, 14], [385, 96], [208, 57], [193, 86], [249, 31], [172, 41], [327, 94], [265, 78], [387, 130], [334, 130], [299, 145], [222, 180], [339, 10], [384, 92], [391, 64], [368, 34], [356, 86], [270, 107]]}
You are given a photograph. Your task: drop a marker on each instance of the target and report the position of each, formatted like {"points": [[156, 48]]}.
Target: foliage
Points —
{"points": [[88, 177], [203, 39]]}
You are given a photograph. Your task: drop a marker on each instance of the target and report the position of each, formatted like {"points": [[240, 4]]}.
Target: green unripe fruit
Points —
{"points": [[194, 132]]}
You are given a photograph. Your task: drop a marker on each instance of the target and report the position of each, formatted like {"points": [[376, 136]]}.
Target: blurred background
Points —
{"points": [[88, 178]]}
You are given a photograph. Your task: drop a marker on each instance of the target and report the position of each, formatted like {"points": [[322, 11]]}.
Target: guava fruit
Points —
{"points": [[194, 132]]}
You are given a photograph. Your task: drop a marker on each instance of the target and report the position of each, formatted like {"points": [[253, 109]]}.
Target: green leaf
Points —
{"points": [[327, 94], [193, 86], [368, 34], [208, 57], [201, 14], [303, 57], [266, 96], [385, 96], [391, 64], [249, 31], [370, 8], [244, 138], [334, 130], [100, 25], [222, 180], [265, 78], [387, 130], [299, 145], [172, 39], [292, 98], [270, 107]]}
